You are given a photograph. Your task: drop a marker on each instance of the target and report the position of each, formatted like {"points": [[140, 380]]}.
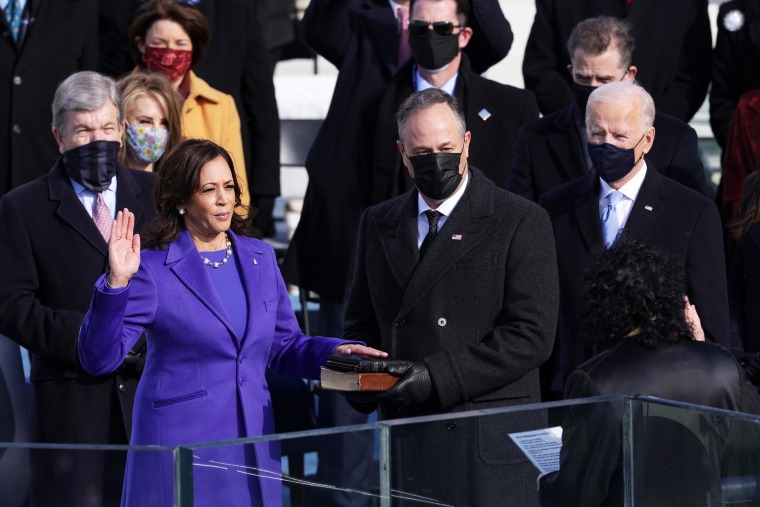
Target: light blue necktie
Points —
{"points": [[610, 218], [13, 16]]}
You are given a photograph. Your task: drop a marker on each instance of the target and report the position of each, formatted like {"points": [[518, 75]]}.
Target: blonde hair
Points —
{"points": [[155, 85]]}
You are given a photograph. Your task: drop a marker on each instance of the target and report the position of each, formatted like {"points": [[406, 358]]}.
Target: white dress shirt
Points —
{"points": [[88, 197], [630, 190]]}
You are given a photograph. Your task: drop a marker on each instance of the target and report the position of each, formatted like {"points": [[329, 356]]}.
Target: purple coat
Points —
{"points": [[201, 382]]}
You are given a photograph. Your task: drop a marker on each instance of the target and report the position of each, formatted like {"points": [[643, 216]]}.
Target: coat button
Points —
{"points": [[451, 425], [441, 322], [122, 387], [16, 129], [242, 381], [17, 80], [242, 358], [401, 323]]}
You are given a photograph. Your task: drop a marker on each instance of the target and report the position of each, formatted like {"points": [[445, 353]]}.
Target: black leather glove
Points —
{"points": [[414, 388]]}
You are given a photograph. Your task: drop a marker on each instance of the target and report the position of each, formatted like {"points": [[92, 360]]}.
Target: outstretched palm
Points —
{"points": [[123, 249]]}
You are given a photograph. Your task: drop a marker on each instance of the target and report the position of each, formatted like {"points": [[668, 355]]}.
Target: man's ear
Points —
{"points": [[59, 139]]}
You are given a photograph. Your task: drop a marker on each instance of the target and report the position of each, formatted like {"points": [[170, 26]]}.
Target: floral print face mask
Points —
{"points": [[146, 144]]}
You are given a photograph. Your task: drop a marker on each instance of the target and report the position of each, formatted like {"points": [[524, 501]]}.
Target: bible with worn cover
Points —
{"points": [[362, 373], [348, 381]]}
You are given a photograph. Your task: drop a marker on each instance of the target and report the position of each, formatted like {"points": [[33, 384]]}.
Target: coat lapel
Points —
{"points": [[587, 213], [381, 22], [250, 259], [397, 233], [187, 265], [648, 205], [476, 99], [70, 209], [472, 218], [128, 192], [565, 145]]}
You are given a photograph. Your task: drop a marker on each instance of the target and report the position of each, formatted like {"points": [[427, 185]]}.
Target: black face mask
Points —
{"points": [[582, 93], [436, 175], [431, 50], [92, 165], [612, 163]]}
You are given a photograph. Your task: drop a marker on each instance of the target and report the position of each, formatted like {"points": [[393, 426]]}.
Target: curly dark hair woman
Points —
{"points": [[633, 291]]}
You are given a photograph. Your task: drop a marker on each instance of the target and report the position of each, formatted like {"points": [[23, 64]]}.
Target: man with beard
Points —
{"points": [[56, 230]]}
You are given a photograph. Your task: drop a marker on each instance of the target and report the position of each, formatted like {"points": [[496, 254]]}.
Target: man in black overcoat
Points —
{"points": [[52, 254], [653, 210], [673, 47], [493, 111], [551, 151], [460, 277]]}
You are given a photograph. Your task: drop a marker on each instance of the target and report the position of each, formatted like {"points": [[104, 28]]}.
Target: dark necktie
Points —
{"points": [[432, 217]]}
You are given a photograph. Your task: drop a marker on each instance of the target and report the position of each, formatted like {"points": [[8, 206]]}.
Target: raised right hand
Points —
{"points": [[123, 249]]}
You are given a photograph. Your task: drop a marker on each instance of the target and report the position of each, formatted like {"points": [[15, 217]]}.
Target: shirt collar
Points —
{"points": [[630, 189], [394, 7], [447, 206], [420, 83], [79, 188]]}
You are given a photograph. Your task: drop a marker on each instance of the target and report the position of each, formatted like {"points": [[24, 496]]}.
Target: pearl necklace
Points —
{"points": [[208, 262]]}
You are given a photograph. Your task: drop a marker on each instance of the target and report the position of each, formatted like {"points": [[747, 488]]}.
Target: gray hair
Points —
{"points": [[419, 101], [84, 91], [620, 92]]}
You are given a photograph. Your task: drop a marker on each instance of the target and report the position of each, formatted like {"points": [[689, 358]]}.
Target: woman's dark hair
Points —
{"points": [[633, 291], [188, 17], [750, 207], [178, 179]]}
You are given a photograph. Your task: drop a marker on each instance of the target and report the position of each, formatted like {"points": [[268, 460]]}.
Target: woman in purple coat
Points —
{"points": [[216, 314]]}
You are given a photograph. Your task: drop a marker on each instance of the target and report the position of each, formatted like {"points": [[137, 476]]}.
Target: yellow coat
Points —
{"points": [[210, 114]]}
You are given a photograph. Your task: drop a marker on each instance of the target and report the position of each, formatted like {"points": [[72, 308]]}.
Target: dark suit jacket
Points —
{"points": [[667, 216], [670, 469], [479, 311], [493, 113], [360, 37], [46, 284], [736, 63], [673, 47], [29, 76], [549, 153]]}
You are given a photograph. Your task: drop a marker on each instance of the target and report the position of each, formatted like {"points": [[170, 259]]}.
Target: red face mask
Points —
{"points": [[172, 63]]}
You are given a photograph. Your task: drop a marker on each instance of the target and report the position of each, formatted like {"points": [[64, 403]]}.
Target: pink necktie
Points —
{"points": [[404, 51], [102, 217]]}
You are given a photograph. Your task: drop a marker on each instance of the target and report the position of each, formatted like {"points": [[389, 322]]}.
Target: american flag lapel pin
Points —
{"points": [[648, 208], [456, 237]]}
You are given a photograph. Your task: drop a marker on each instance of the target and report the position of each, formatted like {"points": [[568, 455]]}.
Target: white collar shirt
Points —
{"points": [[630, 190]]}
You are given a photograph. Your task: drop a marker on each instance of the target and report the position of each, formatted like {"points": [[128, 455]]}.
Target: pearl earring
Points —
{"points": [[181, 211]]}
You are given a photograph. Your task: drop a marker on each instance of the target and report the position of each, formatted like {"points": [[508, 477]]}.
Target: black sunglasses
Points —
{"points": [[419, 27]]}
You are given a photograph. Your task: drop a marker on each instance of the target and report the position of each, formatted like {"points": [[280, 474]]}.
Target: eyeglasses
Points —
{"points": [[419, 27]]}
